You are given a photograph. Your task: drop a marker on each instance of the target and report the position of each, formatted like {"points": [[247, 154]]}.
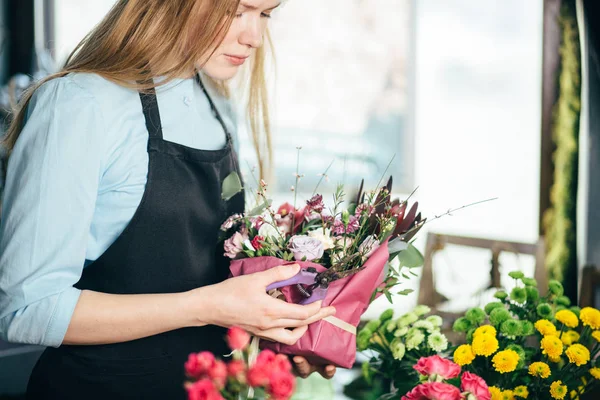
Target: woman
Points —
{"points": [[112, 205]]}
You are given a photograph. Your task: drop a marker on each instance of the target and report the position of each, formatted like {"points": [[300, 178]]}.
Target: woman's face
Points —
{"points": [[243, 38]]}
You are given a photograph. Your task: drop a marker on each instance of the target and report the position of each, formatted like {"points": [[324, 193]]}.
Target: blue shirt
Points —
{"points": [[74, 180]]}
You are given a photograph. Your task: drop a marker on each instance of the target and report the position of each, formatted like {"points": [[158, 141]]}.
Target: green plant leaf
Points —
{"points": [[411, 257], [232, 185], [260, 208], [405, 292]]}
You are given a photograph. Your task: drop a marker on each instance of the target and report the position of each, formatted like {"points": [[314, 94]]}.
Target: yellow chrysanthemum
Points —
{"points": [[485, 330], [540, 369], [508, 395], [552, 346], [567, 317], [569, 337], [495, 392], [485, 345], [558, 390], [521, 391], [595, 372], [590, 317], [555, 360], [546, 328], [596, 335], [505, 361], [578, 354], [463, 355]]}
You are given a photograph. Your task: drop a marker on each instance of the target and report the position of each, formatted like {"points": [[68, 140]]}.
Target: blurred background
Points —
{"points": [[463, 100]]}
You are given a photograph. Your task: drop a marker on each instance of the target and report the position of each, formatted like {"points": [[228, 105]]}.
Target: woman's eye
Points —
{"points": [[265, 15]]}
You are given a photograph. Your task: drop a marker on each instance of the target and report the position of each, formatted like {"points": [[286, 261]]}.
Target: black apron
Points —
{"points": [[169, 246]]}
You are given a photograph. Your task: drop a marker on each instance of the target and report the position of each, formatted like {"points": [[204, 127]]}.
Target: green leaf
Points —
{"points": [[388, 296], [405, 292], [260, 208], [405, 276], [411, 257], [232, 185]]}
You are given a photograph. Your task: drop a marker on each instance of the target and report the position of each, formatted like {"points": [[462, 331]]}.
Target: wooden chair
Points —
{"points": [[429, 296]]}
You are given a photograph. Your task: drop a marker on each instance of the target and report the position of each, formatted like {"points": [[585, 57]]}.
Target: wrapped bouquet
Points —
{"points": [[349, 253]]}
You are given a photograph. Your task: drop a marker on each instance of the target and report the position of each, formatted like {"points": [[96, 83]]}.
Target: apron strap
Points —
{"points": [[151, 113]]}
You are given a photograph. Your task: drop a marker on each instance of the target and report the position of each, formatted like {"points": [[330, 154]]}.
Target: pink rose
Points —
{"points": [[433, 391], [237, 370], [282, 363], [437, 368], [476, 386], [203, 390], [237, 338], [258, 375], [233, 245], [282, 385], [218, 373], [198, 364], [265, 357]]}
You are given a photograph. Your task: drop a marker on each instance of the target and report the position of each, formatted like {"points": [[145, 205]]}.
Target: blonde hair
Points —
{"points": [[141, 39]]}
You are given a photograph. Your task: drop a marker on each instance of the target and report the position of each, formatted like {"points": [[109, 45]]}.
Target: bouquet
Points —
{"points": [[267, 377], [397, 344], [526, 344], [350, 255]]}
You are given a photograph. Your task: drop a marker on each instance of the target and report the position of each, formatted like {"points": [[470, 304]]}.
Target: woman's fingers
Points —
{"points": [[294, 323]]}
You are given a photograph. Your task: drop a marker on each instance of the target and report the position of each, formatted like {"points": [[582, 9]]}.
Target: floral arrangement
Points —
{"points": [[525, 345], [528, 345], [399, 343], [267, 377], [339, 238]]}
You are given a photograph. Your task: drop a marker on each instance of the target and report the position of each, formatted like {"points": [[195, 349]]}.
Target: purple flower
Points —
{"points": [[305, 248], [316, 203], [233, 245], [340, 229]]}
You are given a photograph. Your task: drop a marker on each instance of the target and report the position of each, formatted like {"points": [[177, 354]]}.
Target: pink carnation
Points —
{"points": [[340, 229], [476, 386], [437, 367], [203, 390], [237, 338], [433, 391], [198, 364]]}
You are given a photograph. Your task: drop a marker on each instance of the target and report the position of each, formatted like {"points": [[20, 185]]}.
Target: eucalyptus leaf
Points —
{"points": [[232, 185], [397, 245], [411, 257], [260, 208]]}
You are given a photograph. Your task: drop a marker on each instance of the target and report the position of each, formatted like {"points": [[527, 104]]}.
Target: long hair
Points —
{"points": [[141, 39]]}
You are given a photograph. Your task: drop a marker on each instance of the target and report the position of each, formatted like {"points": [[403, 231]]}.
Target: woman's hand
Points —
{"points": [[242, 301], [303, 368]]}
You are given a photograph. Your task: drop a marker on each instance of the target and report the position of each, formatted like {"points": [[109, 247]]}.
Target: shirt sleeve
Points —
{"points": [[52, 182]]}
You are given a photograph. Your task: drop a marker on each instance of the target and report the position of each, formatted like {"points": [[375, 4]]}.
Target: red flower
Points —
{"points": [[237, 338], [299, 219], [257, 242], [203, 390], [265, 357], [282, 363], [282, 385], [258, 375], [218, 373], [316, 203], [433, 391], [476, 386], [285, 209], [198, 364], [438, 366], [237, 370]]}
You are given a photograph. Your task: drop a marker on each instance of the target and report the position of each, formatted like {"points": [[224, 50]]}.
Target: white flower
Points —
{"points": [[248, 245], [428, 326], [368, 246], [398, 349], [438, 342], [401, 332], [414, 339], [324, 236], [421, 310], [436, 320], [269, 231]]}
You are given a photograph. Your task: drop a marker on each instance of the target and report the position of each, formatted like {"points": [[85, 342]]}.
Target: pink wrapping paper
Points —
{"points": [[324, 343]]}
